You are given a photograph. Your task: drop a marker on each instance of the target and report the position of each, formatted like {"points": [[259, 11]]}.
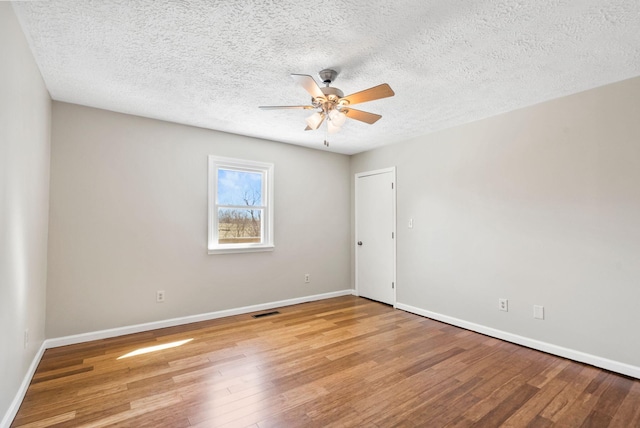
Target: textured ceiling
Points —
{"points": [[212, 63]]}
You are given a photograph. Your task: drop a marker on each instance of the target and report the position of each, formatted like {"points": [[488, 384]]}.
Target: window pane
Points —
{"points": [[239, 226], [239, 187], [240, 214]]}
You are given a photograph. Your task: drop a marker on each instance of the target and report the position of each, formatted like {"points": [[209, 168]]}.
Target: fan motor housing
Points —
{"points": [[329, 91]]}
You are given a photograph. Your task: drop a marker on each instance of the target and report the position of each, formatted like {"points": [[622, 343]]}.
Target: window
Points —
{"points": [[240, 206]]}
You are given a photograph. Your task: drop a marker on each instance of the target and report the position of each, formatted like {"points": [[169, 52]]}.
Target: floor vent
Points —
{"points": [[266, 314]]}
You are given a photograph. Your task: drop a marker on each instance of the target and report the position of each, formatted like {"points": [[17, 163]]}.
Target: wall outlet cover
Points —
{"points": [[538, 312]]}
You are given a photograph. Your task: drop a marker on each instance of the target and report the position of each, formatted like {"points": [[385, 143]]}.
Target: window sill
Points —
{"points": [[235, 249]]}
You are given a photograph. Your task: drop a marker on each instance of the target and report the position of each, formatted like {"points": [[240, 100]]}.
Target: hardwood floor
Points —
{"points": [[340, 362]]}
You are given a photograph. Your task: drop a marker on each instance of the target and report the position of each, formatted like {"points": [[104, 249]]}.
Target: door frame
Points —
{"points": [[358, 175]]}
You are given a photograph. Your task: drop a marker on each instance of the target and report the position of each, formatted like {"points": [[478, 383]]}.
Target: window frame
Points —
{"points": [[266, 169]]}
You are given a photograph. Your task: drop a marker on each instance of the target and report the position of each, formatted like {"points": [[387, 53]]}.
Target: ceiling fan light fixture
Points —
{"points": [[337, 117], [315, 120], [332, 128]]}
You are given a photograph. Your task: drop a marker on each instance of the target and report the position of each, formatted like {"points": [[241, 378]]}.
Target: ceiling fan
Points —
{"points": [[331, 105]]}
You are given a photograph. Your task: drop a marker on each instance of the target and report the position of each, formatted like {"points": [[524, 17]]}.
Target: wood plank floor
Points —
{"points": [[339, 362]]}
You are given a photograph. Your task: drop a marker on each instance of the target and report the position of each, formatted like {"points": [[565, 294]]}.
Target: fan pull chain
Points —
{"points": [[326, 134]]}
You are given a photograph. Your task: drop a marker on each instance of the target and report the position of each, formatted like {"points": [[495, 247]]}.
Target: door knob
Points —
{"points": [[359, 242]]}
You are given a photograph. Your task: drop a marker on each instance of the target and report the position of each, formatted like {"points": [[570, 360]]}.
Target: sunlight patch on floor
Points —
{"points": [[155, 348]]}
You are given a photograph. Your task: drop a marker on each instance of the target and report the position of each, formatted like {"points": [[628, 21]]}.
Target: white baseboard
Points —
{"points": [[594, 360], [17, 400], [121, 331]]}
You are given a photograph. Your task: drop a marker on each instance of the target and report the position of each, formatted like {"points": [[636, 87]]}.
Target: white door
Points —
{"points": [[375, 235]]}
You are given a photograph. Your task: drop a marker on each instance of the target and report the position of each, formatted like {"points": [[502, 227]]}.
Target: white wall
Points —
{"points": [[128, 217], [25, 114], [540, 206]]}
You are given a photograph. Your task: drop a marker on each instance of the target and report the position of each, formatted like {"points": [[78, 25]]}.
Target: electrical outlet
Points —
{"points": [[410, 223], [26, 338], [538, 312], [503, 305], [159, 296], [307, 278]]}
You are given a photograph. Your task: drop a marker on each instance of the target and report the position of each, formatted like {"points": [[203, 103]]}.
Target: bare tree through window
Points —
{"points": [[240, 219], [239, 225]]}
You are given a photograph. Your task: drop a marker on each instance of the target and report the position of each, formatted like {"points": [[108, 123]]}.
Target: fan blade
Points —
{"points": [[309, 84], [286, 107], [308, 128], [375, 93], [360, 115]]}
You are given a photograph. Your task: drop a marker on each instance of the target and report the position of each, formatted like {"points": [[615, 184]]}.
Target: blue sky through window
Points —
{"points": [[236, 186]]}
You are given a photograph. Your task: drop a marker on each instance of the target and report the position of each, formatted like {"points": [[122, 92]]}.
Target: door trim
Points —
{"points": [[392, 170]]}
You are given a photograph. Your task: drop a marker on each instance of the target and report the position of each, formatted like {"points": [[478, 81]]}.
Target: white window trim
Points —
{"points": [[215, 163]]}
